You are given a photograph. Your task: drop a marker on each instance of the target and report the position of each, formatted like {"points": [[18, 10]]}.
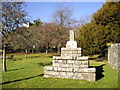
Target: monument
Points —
{"points": [[70, 65]]}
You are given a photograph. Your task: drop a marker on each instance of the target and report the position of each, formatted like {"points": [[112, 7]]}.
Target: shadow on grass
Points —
{"points": [[97, 59], [20, 79], [99, 70], [14, 59], [44, 64], [40, 56], [34, 56], [92, 58], [15, 69]]}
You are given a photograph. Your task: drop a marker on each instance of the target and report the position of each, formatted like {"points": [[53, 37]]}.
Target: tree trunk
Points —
{"points": [[26, 53], [56, 49], [46, 49], [32, 51], [4, 59]]}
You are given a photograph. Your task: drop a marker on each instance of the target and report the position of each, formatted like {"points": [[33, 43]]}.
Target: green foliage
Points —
{"points": [[37, 22], [21, 39], [28, 73], [109, 44], [104, 28], [109, 17], [13, 16]]}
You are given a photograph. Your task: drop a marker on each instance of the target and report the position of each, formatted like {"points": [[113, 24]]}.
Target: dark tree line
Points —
{"points": [[103, 28]]}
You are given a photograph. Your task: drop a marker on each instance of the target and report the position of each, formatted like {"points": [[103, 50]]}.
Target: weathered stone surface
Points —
{"points": [[84, 70], [65, 65], [48, 68], [71, 44], [84, 62], [57, 57], [70, 61], [72, 35], [55, 69], [70, 64], [49, 76], [56, 64], [78, 62], [70, 49], [114, 56], [56, 73], [49, 72], [82, 58]]}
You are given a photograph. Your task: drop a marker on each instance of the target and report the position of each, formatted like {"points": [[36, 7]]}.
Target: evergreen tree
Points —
{"points": [[104, 28]]}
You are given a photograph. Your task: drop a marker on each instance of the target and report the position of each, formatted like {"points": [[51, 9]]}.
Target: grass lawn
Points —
{"points": [[28, 73]]}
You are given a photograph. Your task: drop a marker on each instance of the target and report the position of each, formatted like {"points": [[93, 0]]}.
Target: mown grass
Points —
{"points": [[28, 73]]}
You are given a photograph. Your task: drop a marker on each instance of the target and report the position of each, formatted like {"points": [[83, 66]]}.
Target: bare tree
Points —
{"points": [[49, 35], [62, 15], [13, 16]]}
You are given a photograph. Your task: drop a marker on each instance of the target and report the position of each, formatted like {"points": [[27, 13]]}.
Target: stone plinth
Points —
{"points": [[70, 52], [70, 73], [114, 56], [70, 65], [71, 44]]}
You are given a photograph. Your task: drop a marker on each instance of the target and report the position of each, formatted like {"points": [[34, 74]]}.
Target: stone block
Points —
{"points": [[49, 72], [70, 74], [64, 61], [76, 65], [83, 66], [91, 70], [56, 57], [55, 69], [78, 62], [59, 69], [56, 73], [70, 61], [56, 65], [71, 65], [63, 49], [88, 70], [60, 61], [63, 69], [91, 77], [63, 73], [71, 44], [78, 77], [79, 52], [64, 65], [69, 69], [47, 76], [48, 68], [82, 58], [78, 74], [84, 62]]}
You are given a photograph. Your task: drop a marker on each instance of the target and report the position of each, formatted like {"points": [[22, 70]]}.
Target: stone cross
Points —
{"points": [[71, 35]]}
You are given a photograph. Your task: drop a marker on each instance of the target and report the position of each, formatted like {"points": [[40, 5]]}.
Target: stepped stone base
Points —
{"points": [[70, 64], [70, 73], [70, 68]]}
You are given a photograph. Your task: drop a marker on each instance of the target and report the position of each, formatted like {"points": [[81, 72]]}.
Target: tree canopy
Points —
{"points": [[104, 28]]}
